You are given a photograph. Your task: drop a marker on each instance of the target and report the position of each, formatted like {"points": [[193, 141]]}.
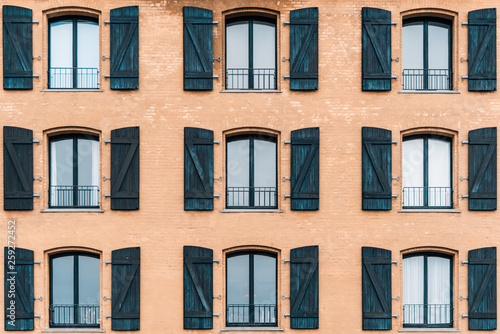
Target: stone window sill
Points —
{"points": [[71, 90], [251, 211], [73, 330], [430, 330], [71, 210], [429, 210], [428, 92], [251, 329], [250, 91]]}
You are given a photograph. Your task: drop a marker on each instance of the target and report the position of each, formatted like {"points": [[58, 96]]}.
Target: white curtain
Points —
{"points": [[438, 290], [413, 290], [413, 172]]}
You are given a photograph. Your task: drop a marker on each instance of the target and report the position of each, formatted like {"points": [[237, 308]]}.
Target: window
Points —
{"points": [[427, 54], [74, 171], [251, 289], [251, 172], [73, 52], [251, 53], [74, 290], [427, 172], [427, 290]]}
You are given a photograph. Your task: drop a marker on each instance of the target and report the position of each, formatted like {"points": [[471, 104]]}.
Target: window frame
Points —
{"points": [[251, 287], [425, 255], [75, 254], [251, 173]]}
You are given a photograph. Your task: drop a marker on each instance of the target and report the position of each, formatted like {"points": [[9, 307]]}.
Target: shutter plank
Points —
{"points": [[482, 289], [483, 169], [304, 182], [198, 288], [125, 289], [376, 288], [376, 169], [482, 65], [304, 49], [376, 49]]}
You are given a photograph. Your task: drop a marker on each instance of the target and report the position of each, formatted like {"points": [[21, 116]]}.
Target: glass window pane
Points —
{"points": [[237, 55], [413, 46], [61, 54], [61, 162], [238, 172], [264, 289], [238, 280], [264, 55], [62, 280], [438, 290], [438, 47], [264, 173], [439, 172], [87, 54], [88, 162], [413, 290], [413, 172], [89, 280]]}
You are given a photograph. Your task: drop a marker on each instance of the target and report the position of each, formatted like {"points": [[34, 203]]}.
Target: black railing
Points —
{"points": [[74, 197], [421, 315], [251, 315], [251, 197], [70, 315], [427, 197], [251, 78], [73, 77], [430, 79]]}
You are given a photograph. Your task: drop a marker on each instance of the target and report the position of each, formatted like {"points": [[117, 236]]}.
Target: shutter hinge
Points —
{"points": [[287, 315], [37, 178], [288, 142], [286, 23], [395, 298], [107, 142], [462, 298], [465, 142], [108, 262], [465, 262], [216, 196], [465, 24], [39, 58], [35, 22], [219, 297], [215, 22], [394, 196], [216, 261], [395, 142], [40, 299], [106, 76], [394, 262], [395, 59], [214, 59], [36, 316], [37, 262], [285, 297], [107, 22], [465, 316], [286, 179], [36, 76], [215, 315], [464, 178], [108, 316], [215, 76], [104, 58], [285, 59], [216, 142], [395, 178], [35, 141], [286, 77], [285, 261], [218, 178], [464, 77], [288, 196], [464, 59], [394, 316], [36, 195], [465, 196], [104, 178], [106, 298], [107, 195], [394, 23], [395, 77]]}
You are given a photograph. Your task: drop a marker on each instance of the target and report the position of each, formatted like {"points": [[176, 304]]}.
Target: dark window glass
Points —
{"points": [[74, 53], [74, 291], [251, 290], [251, 172]]}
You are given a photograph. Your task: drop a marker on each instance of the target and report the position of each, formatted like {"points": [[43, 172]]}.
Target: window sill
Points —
{"points": [[428, 92], [73, 330], [251, 211], [430, 330], [251, 329], [429, 210], [250, 91], [71, 210], [72, 90]]}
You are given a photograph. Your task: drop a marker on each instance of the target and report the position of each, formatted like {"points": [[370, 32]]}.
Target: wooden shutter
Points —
{"points": [[125, 169], [304, 49], [376, 49], [304, 182], [376, 286], [482, 50], [483, 169], [304, 288], [198, 169], [376, 171], [483, 289], [18, 168], [198, 288], [198, 53], [17, 48], [19, 294], [125, 289], [124, 46]]}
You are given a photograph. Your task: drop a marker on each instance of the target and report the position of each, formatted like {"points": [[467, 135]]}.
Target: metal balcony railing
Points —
{"points": [[251, 78], [422, 315], [251, 315], [429, 79], [71, 315], [427, 197], [251, 197], [74, 197], [73, 77]]}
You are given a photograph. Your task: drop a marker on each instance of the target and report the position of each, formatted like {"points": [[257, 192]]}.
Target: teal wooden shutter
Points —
{"points": [[376, 286], [483, 169], [19, 295], [304, 288], [125, 169], [483, 289], [198, 288], [304, 49], [482, 50], [198, 169], [376, 169], [124, 46], [17, 48], [17, 168], [198, 53], [304, 179], [376, 49], [125, 289]]}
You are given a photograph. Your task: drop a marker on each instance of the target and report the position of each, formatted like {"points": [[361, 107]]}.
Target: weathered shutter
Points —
{"points": [[198, 53], [482, 50], [17, 168], [483, 169], [304, 179], [198, 169], [304, 288], [376, 169], [124, 47], [19, 294], [125, 169], [17, 48], [125, 289], [483, 289], [304, 49], [198, 288], [376, 286], [376, 49]]}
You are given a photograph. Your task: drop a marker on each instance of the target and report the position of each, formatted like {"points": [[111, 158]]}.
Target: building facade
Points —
{"points": [[225, 166]]}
